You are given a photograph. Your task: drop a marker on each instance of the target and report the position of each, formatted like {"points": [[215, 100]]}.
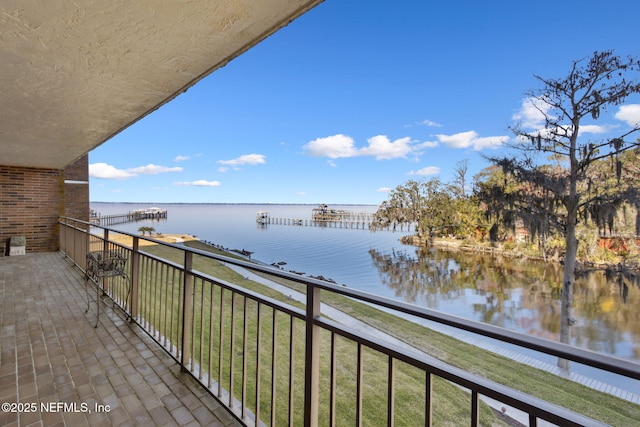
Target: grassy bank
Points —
{"points": [[451, 404]]}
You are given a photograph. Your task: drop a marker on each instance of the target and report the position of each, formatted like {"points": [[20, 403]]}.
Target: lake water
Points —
{"points": [[339, 254], [514, 294]]}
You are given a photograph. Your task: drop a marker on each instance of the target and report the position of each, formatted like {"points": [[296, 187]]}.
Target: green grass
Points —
{"points": [[451, 404], [541, 384]]}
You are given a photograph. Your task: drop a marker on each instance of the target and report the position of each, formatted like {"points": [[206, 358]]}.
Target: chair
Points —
{"points": [[101, 264]]}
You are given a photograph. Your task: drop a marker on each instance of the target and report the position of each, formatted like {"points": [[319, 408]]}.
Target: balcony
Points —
{"points": [[50, 354], [191, 337]]}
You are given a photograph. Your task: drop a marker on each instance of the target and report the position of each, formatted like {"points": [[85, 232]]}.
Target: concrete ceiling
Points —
{"points": [[73, 74]]}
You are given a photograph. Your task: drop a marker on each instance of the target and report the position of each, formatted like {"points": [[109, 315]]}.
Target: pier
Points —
{"points": [[323, 216], [359, 225], [137, 215]]}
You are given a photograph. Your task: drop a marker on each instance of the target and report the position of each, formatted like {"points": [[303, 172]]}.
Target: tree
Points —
{"points": [[469, 221], [427, 205], [402, 208], [497, 192], [626, 184], [554, 161], [460, 177], [632, 172], [146, 229]]}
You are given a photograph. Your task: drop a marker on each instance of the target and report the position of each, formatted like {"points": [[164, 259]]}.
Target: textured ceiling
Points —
{"points": [[73, 74]]}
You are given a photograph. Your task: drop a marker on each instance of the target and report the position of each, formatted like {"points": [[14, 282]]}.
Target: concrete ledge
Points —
{"points": [[17, 245]]}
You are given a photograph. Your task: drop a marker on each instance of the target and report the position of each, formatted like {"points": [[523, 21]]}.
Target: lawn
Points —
{"points": [[274, 333]]}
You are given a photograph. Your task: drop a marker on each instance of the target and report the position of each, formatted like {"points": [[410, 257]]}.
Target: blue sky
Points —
{"points": [[358, 96]]}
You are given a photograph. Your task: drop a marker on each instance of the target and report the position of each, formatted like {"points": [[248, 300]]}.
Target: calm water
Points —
{"points": [[515, 294]]}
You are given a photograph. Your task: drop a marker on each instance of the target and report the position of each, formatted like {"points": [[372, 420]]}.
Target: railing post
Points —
{"points": [[105, 242], [74, 245], [187, 302], [135, 277], [312, 358], [86, 241], [62, 234], [80, 244]]}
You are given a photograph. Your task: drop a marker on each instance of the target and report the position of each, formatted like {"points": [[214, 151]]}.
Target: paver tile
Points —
{"points": [[50, 353]]}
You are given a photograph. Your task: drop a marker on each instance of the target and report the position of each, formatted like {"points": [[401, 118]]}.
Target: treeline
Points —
{"points": [[496, 209], [558, 184]]}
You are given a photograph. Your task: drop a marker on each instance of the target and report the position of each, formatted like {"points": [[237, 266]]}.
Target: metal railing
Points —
{"points": [[274, 363]]}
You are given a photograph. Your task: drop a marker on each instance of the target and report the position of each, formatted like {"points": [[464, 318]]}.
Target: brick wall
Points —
{"points": [[31, 200], [76, 189]]}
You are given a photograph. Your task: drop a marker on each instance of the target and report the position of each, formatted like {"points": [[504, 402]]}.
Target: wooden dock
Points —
{"points": [[322, 216], [328, 218], [137, 215], [359, 225]]}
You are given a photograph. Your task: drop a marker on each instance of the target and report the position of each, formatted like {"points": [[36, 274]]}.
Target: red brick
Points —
{"points": [[32, 200]]}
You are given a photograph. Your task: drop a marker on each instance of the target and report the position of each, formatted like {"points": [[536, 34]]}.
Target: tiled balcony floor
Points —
{"points": [[50, 353]]}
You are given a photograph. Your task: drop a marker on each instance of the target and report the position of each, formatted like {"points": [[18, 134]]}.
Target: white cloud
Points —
{"points": [[458, 140], [383, 149], [425, 122], [532, 113], [222, 169], [301, 194], [630, 114], [334, 147], [343, 146], [489, 142], [596, 129], [106, 171], [427, 144], [430, 123], [246, 159], [429, 170], [181, 158], [552, 133], [198, 183], [384, 190], [471, 139], [152, 169]]}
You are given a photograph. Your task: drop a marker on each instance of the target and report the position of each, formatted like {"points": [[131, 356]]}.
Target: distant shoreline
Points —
{"points": [[235, 203], [125, 239]]}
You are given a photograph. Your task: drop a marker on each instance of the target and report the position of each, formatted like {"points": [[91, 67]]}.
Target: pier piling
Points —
{"points": [[137, 215]]}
